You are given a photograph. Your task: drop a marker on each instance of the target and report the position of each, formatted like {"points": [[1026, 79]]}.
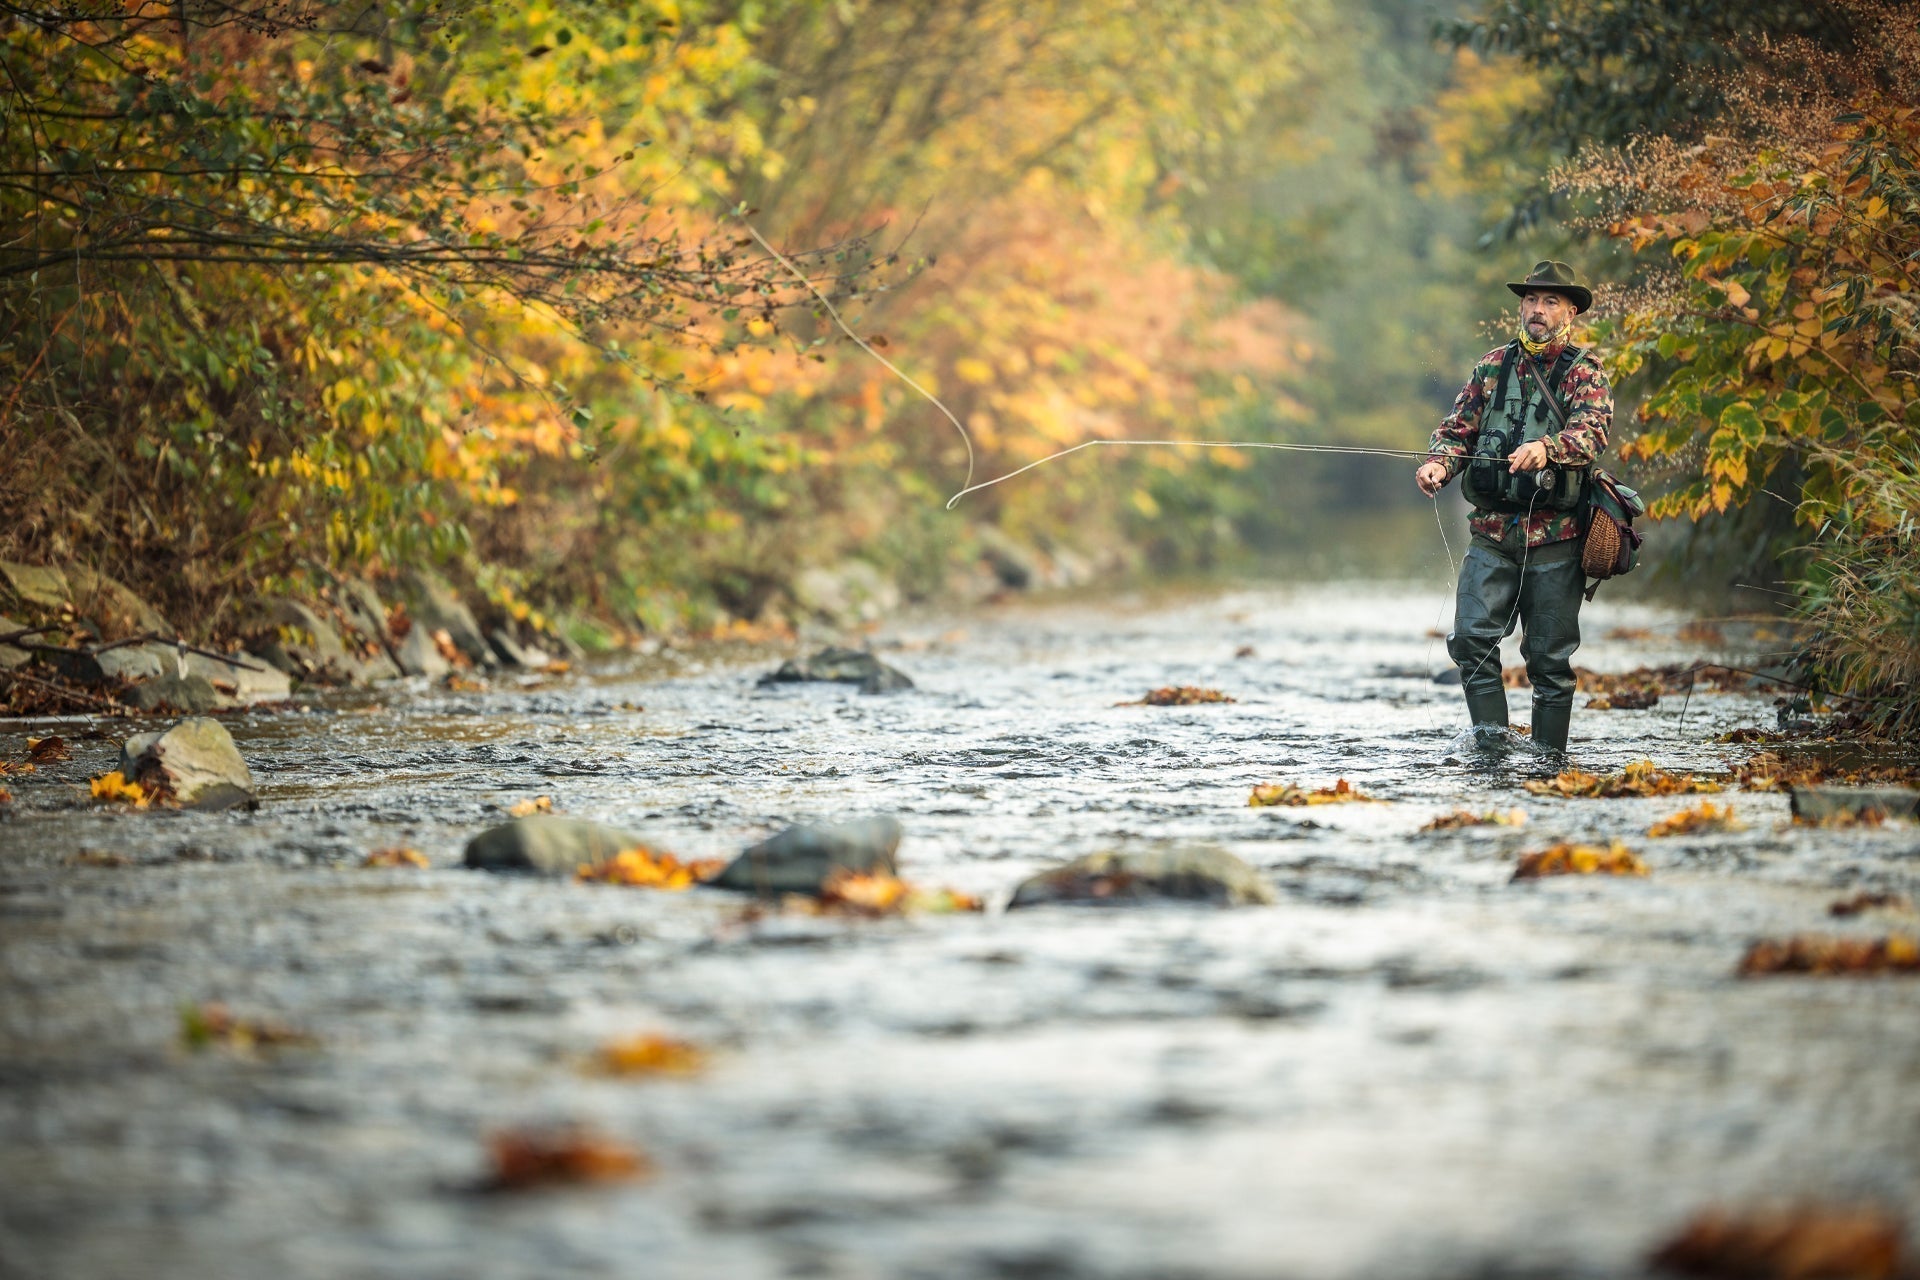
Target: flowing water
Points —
{"points": [[1408, 1067]]}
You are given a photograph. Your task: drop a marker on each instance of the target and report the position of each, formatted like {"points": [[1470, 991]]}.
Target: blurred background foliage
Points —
{"points": [[290, 287]]}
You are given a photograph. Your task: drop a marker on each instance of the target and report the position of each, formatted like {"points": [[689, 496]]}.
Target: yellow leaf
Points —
{"points": [[115, 788]]}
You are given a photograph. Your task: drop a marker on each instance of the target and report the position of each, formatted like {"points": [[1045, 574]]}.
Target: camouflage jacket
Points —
{"points": [[1584, 394]]}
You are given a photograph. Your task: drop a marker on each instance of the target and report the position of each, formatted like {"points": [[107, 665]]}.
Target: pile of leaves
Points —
{"points": [[1870, 900], [1671, 677], [42, 691], [115, 789], [849, 893], [1774, 771], [1705, 816], [527, 808], [1580, 860], [1641, 778], [1285, 793], [1461, 818], [1822, 954], [526, 1158], [651, 1055], [650, 869], [1642, 699], [211, 1024], [396, 858], [1178, 695], [1786, 1244]]}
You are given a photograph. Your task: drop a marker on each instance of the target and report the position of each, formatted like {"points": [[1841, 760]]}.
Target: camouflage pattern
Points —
{"points": [[1584, 394]]}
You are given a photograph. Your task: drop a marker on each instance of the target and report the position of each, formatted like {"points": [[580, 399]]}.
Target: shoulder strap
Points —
{"points": [[1506, 372], [1553, 401]]}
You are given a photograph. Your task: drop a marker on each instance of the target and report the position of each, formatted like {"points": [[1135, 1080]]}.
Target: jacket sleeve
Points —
{"points": [[1589, 403], [1453, 440]]}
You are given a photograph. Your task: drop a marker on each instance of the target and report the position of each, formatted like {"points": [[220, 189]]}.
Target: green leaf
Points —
{"points": [[1744, 423]]}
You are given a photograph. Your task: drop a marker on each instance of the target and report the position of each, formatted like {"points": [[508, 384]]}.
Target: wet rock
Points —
{"points": [[301, 643], [11, 657], [848, 593], [35, 584], [239, 685], [1190, 873], [510, 652], [847, 666], [434, 606], [112, 606], [197, 761], [365, 612], [187, 695], [546, 844], [127, 662], [800, 859], [1817, 804], [1449, 678], [1017, 566], [419, 656]]}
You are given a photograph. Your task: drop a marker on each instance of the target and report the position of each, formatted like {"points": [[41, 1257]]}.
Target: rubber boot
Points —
{"points": [[1550, 725], [1487, 707]]}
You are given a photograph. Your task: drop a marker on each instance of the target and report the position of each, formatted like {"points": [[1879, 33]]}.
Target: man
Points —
{"points": [[1527, 460]]}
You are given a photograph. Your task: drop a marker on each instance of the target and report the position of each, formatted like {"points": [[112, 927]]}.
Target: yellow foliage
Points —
{"points": [[652, 1055], [1641, 778], [1705, 816], [1285, 793], [646, 869], [396, 858], [526, 808], [117, 790], [1580, 860]]}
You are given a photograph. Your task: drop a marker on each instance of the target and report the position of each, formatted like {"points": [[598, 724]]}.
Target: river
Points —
{"points": [[1408, 1067]]}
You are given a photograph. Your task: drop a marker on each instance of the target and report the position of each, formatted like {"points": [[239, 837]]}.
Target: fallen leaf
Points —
{"points": [[463, 684], [1285, 793], [212, 1023], [1629, 633], [1751, 735], [644, 868], [47, 750], [1461, 818], [1705, 816], [1624, 700], [1641, 778], [1698, 632], [1244, 651], [94, 858], [1775, 771], [1803, 1243], [1822, 954], [557, 668], [396, 858], [443, 641], [117, 790], [1178, 695], [6, 796], [1845, 818], [12, 766], [1883, 900], [526, 808], [852, 893], [526, 1158], [647, 1055], [1580, 860]]}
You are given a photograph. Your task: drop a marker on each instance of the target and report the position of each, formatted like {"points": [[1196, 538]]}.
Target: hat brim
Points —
{"points": [[1579, 295]]}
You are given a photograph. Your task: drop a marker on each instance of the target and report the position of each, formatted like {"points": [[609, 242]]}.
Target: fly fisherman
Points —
{"points": [[1525, 429]]}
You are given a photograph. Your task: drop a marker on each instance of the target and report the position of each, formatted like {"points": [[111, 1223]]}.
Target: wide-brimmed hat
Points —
{"points": [[1554, 277]]}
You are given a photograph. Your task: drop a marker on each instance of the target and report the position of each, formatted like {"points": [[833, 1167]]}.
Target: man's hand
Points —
{"points": [[1528, 457], [1431, 477]]}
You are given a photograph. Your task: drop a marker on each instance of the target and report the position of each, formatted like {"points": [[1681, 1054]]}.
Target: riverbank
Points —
{"points": [[1407, 1066]]}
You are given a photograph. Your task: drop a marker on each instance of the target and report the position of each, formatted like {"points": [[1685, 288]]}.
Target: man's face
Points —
{"points": [[1543, 313]]}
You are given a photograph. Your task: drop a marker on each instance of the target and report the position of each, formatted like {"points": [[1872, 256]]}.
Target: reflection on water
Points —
{"points": [[1408, 1067]]}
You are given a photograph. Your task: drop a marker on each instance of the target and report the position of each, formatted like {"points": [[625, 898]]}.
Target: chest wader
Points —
{"points": [[1495, 590]]}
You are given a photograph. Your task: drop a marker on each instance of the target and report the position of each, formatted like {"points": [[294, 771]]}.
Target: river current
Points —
{"points": [[1408, 1067]]}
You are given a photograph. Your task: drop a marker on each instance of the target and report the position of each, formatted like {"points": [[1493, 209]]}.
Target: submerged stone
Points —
{"points": [[844, 666], [196, 761], [799, 859], [547, 844], [1186, 873]]}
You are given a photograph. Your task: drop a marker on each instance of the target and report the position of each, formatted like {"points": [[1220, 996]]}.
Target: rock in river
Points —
{"points": [[1192, 873], [800, 859], [1817, 804], [197, 761], [190, 695], [848, 666], [547, 844]]}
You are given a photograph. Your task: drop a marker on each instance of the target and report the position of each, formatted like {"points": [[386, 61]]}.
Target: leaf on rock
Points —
{"points": [[1641, 778], [1802, 1243], [47, 750], [650, 1055], [645, 868], [396, 858], [115, 789], [527, 808], [1178, 695], [1705, 816], [1580, 860], [212, 1024], [1461, 818], [1285, 793], [1882, 900], [527, 1158], [1829, 956]]}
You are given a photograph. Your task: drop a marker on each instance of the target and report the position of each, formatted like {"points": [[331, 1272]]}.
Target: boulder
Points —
{"points": [[1016, 565], [1187, 873], [301, 643], [433, 605], [239, 685], [847, 666], [112, 606], [127, 662], [11, 657], [850, 592], [1814, 804], [196, 761], [365, 612], [800, 859], [185, 695], [36, 584], [510, 652], [418, 655], [546, 844]]}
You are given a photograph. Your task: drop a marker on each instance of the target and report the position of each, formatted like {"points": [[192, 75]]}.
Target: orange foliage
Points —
{"points": [[1580, 860], [47, 750], [117, 790], [1806, 1243], [1462, 818], [1705, 816], [1285, 793], [1819, 954], [1641, 778], [527, 808], [647, 869], [527, 1158], [1178, 695], [396, 858], [652, 1055]]}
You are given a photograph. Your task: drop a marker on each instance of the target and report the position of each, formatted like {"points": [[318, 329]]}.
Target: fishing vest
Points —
{"points": [[1517, 415]]}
